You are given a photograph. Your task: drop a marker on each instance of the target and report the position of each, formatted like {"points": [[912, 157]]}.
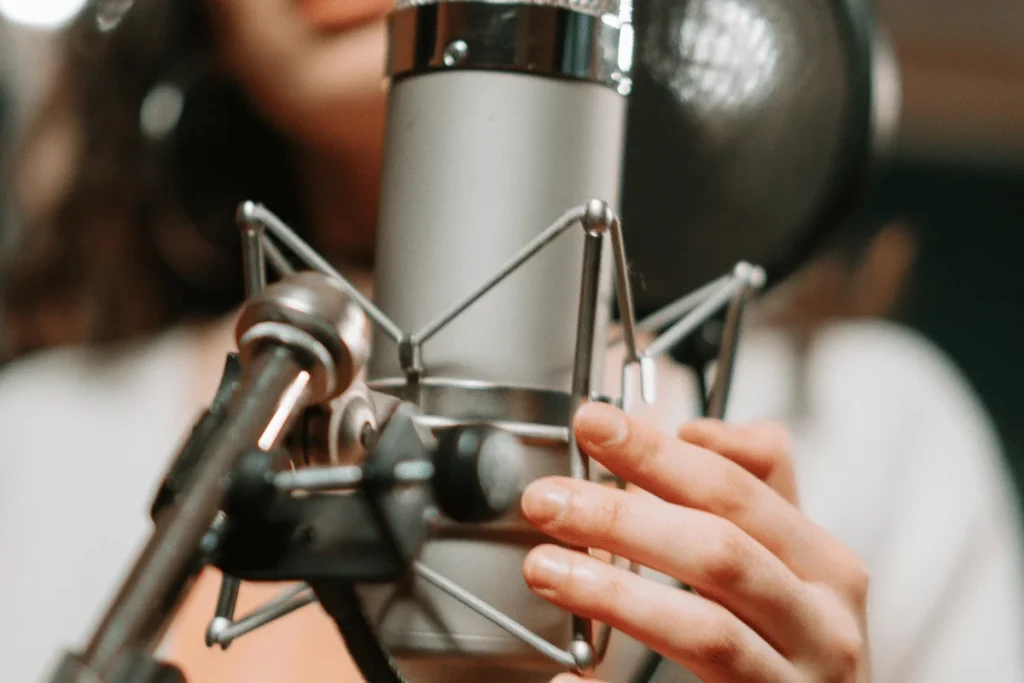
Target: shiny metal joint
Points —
{"points": [[314, 313]]}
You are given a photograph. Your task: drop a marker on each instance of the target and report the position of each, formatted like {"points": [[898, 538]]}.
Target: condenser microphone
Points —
{"points": [[502, 116], [392, 501]]}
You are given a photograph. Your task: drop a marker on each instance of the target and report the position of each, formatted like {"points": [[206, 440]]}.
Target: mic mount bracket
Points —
{"points": [[682, 319], [241, 494]]}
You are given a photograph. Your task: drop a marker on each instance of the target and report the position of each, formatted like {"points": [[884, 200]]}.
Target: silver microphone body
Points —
{"points": [[502, 117]]}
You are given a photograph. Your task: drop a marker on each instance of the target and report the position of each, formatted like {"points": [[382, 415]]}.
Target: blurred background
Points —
{"points": [[959, 178], [953, 193]]}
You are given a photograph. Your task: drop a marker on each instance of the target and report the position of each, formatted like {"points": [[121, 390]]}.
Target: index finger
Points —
{"points": [[685, 474]]}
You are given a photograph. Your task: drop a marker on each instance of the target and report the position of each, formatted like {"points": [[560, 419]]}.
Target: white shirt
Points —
{"points": [[893, 453]]}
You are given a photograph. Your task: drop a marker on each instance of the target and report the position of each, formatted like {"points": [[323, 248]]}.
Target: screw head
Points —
{"points": [[455, 53]]}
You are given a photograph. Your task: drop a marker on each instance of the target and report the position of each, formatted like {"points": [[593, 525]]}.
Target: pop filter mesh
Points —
{"points": [[749, 128]]}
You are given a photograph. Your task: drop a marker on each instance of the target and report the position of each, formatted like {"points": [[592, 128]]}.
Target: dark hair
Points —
{"points": [[143, 235]]}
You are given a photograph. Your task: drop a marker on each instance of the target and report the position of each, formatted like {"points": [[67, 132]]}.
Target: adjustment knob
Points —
{"points": [[316, 315], [478, 473]]}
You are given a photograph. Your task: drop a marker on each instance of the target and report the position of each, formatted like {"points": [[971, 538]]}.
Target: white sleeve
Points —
{"points": [[953, 583], [85, 444], [947, 595]]}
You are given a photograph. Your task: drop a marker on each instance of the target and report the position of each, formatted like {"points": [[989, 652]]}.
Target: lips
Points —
{"points": [[332, 15]]}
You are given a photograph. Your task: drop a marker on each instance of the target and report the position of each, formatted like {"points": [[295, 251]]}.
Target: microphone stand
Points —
{"points": [[271, 391], [228, 498]]}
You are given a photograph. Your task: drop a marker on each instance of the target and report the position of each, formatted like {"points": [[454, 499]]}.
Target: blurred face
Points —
{"points": [[314, 67]]}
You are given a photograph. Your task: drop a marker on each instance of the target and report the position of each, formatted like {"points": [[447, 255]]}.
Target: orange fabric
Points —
{"points": [[304, 646]]}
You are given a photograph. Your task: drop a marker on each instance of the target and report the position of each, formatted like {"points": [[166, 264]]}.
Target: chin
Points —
{"points": [[325, 90], [352, 129]]}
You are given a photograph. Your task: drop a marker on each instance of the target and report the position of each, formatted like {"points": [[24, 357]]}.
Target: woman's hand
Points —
{"points": [[778, 598]]}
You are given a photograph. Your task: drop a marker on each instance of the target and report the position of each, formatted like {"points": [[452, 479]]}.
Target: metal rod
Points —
{"points": [[276, 258], [583, 365], [604, 639], [227, 599], [604, 634], [319, 479], [348, 477], [252, 258], [674, 311], [702, 390], [257, 212], [169, 562], [494, 615], [525, 254], [583, 358], [224, 613], [697, 317], [289, 601], [627, 310], [414, 472], [718, 396], [521, 429]]}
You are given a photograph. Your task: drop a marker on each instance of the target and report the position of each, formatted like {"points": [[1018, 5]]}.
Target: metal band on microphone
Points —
{"points": [[584, 40], [597, 7]]}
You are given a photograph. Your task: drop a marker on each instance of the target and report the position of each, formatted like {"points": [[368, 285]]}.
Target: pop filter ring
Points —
{"points": [[859, 150], [856, 156]]}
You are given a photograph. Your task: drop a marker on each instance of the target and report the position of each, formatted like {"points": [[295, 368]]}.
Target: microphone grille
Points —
{"points": [[596, 7]]}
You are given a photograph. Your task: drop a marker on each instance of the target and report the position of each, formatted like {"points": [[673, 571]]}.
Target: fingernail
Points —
{"points": [[545, 570], [544, 501], [601, 425]]}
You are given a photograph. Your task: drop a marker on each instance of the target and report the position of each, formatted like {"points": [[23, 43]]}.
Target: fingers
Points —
{"points": [[761, 448], [706, 552], [691, 630], [685, 474]]}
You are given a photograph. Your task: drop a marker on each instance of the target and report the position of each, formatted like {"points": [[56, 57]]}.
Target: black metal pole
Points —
{"points": [[271, 392]]}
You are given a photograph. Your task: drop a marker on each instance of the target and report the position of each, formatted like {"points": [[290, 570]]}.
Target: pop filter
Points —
{"points": [[752, 126]]}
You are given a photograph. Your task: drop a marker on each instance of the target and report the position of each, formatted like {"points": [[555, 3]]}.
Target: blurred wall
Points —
{"points": [[959, 178], [967, 293], [963, 71]]}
